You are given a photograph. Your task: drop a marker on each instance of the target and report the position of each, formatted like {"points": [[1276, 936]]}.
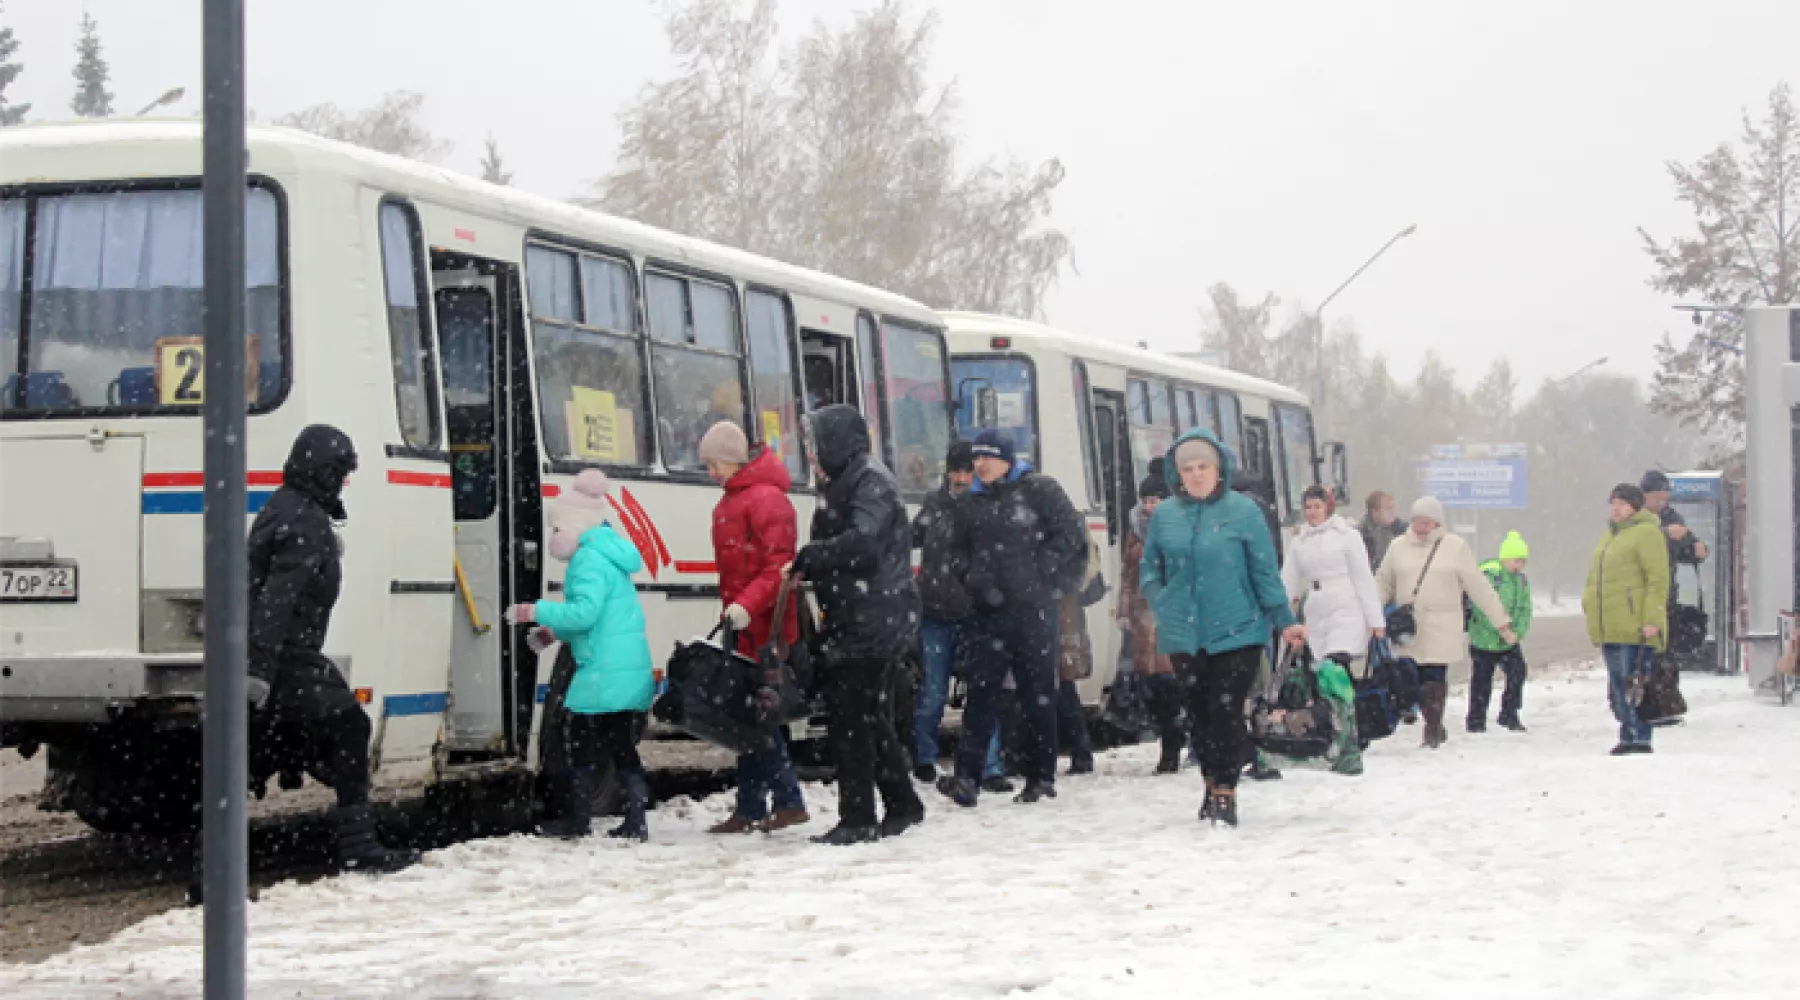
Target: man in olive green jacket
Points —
{"points": [[1627, 605]]}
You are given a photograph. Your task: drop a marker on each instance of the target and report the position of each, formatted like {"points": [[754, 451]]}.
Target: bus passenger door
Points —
{"points": [[828, 373], [1256, 477], [1109, 423], [465, 322], [497, 491]]}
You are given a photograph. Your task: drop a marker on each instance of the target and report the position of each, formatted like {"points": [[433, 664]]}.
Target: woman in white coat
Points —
{"points": [[1433, 569], [1328, 578]]}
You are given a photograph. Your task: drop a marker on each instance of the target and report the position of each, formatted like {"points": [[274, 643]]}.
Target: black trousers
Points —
{"points": [[1071, 724], [866, 750], [1481, 683], [1023, 642], [608, 736], [1216, 686], [310, 702]]}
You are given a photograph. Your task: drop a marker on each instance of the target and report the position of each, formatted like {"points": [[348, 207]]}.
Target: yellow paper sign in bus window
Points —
{"points": [[181, 370], [771, 429], [595, 424]]}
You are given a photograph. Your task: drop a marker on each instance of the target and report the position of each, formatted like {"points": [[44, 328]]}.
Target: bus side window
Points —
{"points": [[409, 325], [868, 363], [777, 399], [697, 362], [590, 360]]}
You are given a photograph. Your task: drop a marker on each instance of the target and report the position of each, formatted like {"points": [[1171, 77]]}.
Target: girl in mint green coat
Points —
{"points": [[601, 620]]}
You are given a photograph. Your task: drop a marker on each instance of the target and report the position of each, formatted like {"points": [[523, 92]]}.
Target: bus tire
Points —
{"points": [[130, 779]]}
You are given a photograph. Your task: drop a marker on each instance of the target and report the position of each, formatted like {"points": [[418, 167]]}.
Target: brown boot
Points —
{"points": [[781, 819], [734, 824], [1432, 696]]}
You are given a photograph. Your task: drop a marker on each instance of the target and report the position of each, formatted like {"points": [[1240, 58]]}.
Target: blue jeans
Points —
{"points": [[937, 648], [766, 771], [1623, 665]]}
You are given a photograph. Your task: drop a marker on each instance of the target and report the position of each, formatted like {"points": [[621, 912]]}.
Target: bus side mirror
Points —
{"points": [[1337, 459]]}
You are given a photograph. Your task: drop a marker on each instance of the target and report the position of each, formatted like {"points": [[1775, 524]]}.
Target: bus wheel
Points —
{"points": [[130, 779]]}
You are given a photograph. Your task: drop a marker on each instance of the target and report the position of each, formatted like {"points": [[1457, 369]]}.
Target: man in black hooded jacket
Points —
{"points": [[860, 564], [295, 573]]}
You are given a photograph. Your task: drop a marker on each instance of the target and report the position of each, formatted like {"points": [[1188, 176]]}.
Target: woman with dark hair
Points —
{"points": [[1328, 577], [1162, 693], [1209, 572]]}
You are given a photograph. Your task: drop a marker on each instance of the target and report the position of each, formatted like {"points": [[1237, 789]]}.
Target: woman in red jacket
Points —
{"points": [[754, 534]]}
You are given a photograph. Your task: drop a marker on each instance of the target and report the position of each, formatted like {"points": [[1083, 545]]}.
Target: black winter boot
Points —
{"points": [[576, 789], [637, 796], [1170, 763], [358, 848], [848, 836]]}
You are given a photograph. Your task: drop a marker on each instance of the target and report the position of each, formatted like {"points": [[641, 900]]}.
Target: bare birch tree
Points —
{"points": [[393, 125]]}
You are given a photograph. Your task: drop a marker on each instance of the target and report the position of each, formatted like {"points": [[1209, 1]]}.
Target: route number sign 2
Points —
{"points": [[181, 370]]}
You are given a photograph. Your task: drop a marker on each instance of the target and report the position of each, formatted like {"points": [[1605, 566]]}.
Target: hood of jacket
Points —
{"points": [[316, 466], [611, 546], [840, 435], [1332, 524], [1019, 468], [1227, 465], [764, 469]]}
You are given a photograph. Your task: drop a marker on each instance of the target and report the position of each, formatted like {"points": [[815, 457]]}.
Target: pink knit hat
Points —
{"points": [[583, 505], [725, 442]]}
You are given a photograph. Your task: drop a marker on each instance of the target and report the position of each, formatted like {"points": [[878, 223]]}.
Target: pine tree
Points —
{"points": [[92, 99], [10, 114], [493, 169]]}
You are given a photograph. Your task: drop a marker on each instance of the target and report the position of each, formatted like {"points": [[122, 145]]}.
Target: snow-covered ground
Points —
{"points": [[1502, 866]]}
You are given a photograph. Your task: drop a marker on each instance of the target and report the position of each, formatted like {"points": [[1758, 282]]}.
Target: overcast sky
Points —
{"points": [[1270, 145]]}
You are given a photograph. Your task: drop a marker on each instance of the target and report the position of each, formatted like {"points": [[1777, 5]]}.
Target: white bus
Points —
{"points": [[1093, 413], [480, 345]]}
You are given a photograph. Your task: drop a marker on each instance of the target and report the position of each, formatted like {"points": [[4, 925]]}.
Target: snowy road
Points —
{"points": [[1502, 866]]}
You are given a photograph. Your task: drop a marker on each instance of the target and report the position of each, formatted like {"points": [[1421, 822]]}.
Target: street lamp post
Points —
{"points": [[169, 97], [1318, 316]]}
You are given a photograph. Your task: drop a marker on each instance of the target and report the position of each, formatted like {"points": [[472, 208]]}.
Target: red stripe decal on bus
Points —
{"points": [[401, 477], [636, 531], [1096, 525], [662, 547], [194, 480], [551, 491], [695, 567]]}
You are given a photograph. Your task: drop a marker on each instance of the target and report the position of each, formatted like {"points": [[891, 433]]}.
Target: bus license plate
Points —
{"points": [[24, 584]]}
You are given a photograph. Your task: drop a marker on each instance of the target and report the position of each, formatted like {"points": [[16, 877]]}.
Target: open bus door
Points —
{"points": [[496, 490], [1115, 462]]}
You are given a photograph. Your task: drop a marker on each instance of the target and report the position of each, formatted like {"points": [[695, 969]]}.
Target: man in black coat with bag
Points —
{"points": [[1024, 547], [860, 565]]}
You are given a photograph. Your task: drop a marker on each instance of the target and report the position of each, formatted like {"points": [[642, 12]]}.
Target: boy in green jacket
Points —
{"points": [[1488, 651]]}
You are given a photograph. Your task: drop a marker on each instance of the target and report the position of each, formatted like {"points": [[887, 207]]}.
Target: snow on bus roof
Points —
{"points": [[269, 145], [1087, 345]]}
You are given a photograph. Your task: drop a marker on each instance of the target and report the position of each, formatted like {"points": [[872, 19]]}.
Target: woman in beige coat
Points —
{"points": [[1435, 586]]}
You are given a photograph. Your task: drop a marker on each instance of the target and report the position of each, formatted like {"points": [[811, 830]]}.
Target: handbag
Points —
{"points": [[713, 693], [1402, 622], [1291, 718], [787, 669], [1381, 695]]}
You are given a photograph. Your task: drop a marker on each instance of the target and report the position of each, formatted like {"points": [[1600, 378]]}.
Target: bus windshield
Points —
{"points": [[111, 313], [1294, 430], [1014, 394]]}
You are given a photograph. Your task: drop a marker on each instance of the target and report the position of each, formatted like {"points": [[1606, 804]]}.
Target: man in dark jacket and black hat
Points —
{"points": [[295, 571], [947, 608], [1025, 547], [860, 564]]}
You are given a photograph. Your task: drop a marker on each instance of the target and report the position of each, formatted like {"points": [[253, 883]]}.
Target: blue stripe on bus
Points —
{"points": [[400, 705], [195, 502]]}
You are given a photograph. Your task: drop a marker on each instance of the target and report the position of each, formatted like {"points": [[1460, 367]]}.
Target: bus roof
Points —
{"points": [[80, 151], [1094, 348]]}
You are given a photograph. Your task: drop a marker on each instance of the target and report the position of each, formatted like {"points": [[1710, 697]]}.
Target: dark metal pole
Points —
{"points": [[225, 838]]}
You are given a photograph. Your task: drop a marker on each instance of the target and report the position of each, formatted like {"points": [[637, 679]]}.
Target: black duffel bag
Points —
{"points": [[713, 693], [788, 675], [1292, 718], [1384, 692]]}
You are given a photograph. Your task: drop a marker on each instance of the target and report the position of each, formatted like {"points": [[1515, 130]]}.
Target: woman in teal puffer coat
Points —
{"points": [[601, 620], [1210, 574]]}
